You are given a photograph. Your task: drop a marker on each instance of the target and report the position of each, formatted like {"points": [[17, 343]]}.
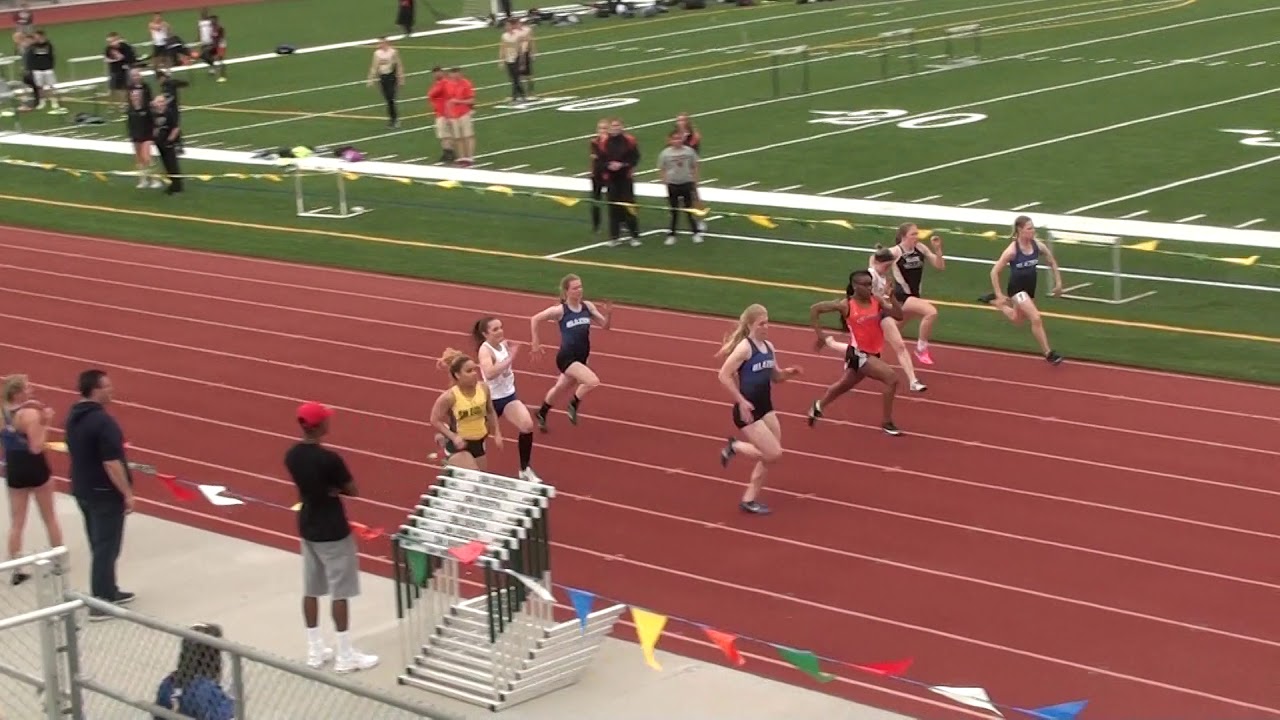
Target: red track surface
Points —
{"points": [[1049, 534]]}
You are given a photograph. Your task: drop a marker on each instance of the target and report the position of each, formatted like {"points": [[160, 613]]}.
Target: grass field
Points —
{"points": [[1102, 108]]}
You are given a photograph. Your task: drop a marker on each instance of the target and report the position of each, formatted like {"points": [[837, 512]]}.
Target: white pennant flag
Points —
{"points": [[534, 586], [971, 696], [213, 493]]}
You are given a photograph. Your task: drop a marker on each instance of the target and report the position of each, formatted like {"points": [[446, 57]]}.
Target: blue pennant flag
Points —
{"points": [[582, 601], [1061, 711]]}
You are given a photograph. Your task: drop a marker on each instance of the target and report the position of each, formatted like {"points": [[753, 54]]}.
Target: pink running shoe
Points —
{"points": [[924, 357]]}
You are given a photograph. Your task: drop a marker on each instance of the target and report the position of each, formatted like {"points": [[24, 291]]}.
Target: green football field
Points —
{"points": [[1156, 110]]}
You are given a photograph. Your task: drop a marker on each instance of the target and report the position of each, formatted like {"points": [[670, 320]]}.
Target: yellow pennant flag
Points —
{"points": [[699, 212], [565, 201], [648, 629], [296, 507], [448, 184], [1242, 261], [1148, 246], [762, 221], [501, 189], [101, 176], [205, 178], [403, 181], [991, 234], [273, 178], [840, 223], [350, 176]]}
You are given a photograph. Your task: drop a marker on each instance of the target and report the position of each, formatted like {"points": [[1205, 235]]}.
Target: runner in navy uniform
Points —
{"points": [[1018, 302], [749, 372], [574, 317]]}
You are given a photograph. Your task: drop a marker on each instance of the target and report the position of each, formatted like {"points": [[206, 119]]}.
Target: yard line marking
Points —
{"points": [[1139, 213], [1026, 205], [879, 195], [583, 174], [480, 165], [745, 185], [971, 203], [927, 198], [552, 170], [785, 188], [1217, 63], [513, 167], [1064, 138], [1189, 218], [1014, 96], [708, 182], [1251, 223], [381, 157], [1106, 60], [1256, 64], [592, 246], [418, 159], [1179, 183]]}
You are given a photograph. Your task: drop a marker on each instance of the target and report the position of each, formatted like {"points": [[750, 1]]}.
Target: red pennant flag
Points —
{"points": [[179, 491], [725, 642], [468, 553], [364, 532], [893, 668]]}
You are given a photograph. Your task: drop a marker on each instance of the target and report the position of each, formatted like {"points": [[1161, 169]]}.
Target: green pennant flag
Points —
{"points": [[806, 662], [417, 566]]}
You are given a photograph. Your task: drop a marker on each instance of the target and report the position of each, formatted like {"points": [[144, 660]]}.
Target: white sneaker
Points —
{"points": [[917, 386], [702, 226], [635, 242], [671, 240], [318, 655], [528, 475], [697, 238], [354, 662], [156, 183], [142, 183]]}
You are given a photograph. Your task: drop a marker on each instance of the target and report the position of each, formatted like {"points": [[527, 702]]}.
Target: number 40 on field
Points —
{"points": [[854, 118]]}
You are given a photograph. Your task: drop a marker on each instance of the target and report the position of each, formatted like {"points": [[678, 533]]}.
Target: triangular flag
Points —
{"points": [[364, 532], [762, 221], [990, 234], [213, 493], [725, 642], [534, 586], [417, 566], [699, 212], [56, 446], [1147, 246], [179, 491], [805, 661], [1061, 711], [565, 201], [648, 629], [971, 696], [501, 189], [296, 507], [581, 601], [841, 223], [923, 234], [448, 184], [1242, 261], [467, 554], [893, 668]]}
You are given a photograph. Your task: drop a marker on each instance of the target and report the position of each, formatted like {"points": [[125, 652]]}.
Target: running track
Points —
{"points": [[1047, 533]]}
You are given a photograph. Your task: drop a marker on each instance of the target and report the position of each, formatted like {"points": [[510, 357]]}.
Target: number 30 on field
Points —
{"points": [[854, 118]]}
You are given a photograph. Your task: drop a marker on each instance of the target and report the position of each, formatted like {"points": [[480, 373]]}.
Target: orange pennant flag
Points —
{"points": [[364, 532], [726, 643], [468, 553]]}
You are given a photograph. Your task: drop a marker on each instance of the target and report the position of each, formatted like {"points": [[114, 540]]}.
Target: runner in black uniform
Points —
{"points": [[1023, 258], [910, 256], [140, 128], [574, 316]]}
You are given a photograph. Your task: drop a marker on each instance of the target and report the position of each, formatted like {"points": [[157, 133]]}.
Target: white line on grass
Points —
{"points": [[745, 185], [971, 203], [552, 170], [1026, 206], [1250, 223], [926, 198], [786, 188], [1189, 218], [1072, 136], [571, 251], [1179, 183], [1013, 96], [879, 195], [1135, 214]]}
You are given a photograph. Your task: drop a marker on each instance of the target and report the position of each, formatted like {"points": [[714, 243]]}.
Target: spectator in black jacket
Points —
{"points": [[100, 482], [620, 155]]}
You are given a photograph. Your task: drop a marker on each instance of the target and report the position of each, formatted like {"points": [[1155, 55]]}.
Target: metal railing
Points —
{"points": [[56, 665]]}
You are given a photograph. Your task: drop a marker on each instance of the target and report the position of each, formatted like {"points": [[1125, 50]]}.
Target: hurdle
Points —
{"points": [[341, 211], [502, 646], [886, 42], [956, 37], [782, 56], [1117, 276]]}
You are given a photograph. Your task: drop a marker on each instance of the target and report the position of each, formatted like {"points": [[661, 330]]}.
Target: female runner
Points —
{"points": [[881, 282], [140, 126], [909, 256], [749, 372], [496, 359], [26, 425], [464, 415], [690, 137], [1018, 302], [574, 316], [864, 314]]}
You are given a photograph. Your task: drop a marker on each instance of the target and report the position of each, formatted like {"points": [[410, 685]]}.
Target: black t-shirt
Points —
{"points": [[319, 473]]}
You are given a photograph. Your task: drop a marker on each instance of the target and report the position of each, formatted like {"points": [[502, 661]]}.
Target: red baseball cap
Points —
{"points": [[312, 414]]}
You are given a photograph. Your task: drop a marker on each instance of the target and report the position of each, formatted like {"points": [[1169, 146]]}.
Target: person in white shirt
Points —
{"points": [[387, 70], [496, 358], [509, 57]]}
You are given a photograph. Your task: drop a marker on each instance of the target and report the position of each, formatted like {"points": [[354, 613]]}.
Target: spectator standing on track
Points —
{"points": [[461, 103], [330, 562], [120, 58], [387, 70], [404, 16], [621, 154], [438, 96], [100, 482], [678, 170], [509, 56], [40, 62], [166, 121]]}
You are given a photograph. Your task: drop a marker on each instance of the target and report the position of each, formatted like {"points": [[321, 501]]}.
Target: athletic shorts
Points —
{"points": [[43, 78], [500, 404], [565, 358], [856, 360], [1015, 288], [331, 568], [474, 448], [760, 406]]}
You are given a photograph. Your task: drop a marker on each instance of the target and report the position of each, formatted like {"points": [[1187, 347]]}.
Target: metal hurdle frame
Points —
{"points": [[956, 35], [887, 42], [1117, 280], [342, 211], [777, 58]]}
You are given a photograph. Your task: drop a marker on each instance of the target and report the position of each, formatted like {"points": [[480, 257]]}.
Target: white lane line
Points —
{"points": [[1026, 206], [971, 203], [1250, 223], [879, 195], [1131, 215], [1189, 218], [552, 170], [1179, 183], [926, 198], [745, 185], [513, 167], [571, 251], [786, 188]]}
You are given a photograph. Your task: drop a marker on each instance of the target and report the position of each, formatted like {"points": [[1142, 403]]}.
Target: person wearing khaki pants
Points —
{"points": [[438, 96], [462, 99]]}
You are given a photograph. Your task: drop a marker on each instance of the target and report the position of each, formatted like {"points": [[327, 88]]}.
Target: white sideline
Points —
{"points": [[1201, 234]]}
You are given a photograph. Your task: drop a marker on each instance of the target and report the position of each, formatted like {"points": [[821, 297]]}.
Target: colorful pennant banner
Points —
{"points": [[649, 625], [770, 222]]}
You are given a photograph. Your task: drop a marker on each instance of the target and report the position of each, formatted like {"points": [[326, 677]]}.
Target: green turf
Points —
{"points": [[1081, 102]]}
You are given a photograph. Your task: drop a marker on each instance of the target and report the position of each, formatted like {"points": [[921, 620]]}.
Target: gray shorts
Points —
{"points": [[331, 568]]}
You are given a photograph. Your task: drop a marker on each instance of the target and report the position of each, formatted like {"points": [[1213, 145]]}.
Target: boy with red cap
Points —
{"points": [[330, 562]]}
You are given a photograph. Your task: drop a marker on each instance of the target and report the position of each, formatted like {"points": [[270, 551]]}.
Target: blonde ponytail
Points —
{"points": [[742, 329], [452, 360]]}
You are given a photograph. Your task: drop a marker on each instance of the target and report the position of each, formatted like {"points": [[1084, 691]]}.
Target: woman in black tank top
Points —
{"points": [[24, 430], [909, 256]]}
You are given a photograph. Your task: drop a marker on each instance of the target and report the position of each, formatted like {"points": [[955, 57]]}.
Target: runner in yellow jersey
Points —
{"points": [[464, 415]]}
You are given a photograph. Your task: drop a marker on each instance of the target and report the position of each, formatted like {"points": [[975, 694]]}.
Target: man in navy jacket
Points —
{"points": [[100, 482]]}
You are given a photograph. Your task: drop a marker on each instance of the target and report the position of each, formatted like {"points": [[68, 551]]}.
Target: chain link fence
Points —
{"points": [[55, 664]]}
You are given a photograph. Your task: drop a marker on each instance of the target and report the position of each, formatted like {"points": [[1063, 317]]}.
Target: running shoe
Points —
{"points": [[890, 429], [727, 454], [1053, 358], [755, 508], [987, 299], [917, 386], [542, 421], [573, 412], [814, 413], [924, 357], [528, 475]]}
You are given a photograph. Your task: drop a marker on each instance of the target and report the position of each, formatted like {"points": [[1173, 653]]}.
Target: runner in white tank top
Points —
{"points": [[496, 358], [881, 265]]}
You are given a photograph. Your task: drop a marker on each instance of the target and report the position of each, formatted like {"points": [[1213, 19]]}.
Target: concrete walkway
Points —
{"points": [[185, 575]]}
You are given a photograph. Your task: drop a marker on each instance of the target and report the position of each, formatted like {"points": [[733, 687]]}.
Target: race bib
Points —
{"points": [[1021, 297]]}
